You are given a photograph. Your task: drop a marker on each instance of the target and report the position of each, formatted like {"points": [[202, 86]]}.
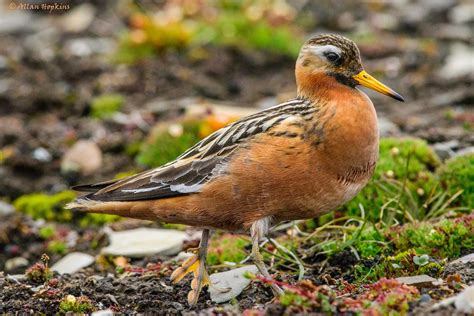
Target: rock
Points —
{"points": [[84, 47], [73, 262], [463, 266], [85, 156], [78, 19], [141, 242], [458, 63], [463, 302], [387, 127], [465, 151], [104, 312], [41, 154], [232, 279], [445, 150], [465, 259], [267, 102], [421, 280], [462, 13], [14, 263], [219, 110], [6, 208], [12, 20]]}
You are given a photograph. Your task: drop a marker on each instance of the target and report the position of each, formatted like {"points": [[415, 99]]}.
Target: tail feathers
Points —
{"points": [[82, 204], [138, 210]]}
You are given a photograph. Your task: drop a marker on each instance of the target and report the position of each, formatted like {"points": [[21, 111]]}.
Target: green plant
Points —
{"points": [[43, 206], [268, 26], [457, 174], [106, 105], [51, 208], [402, 182], [165, 144], [401, 264], [39, 272], [46, 232], [57, 246], [445, 239], [227, 248], [72, 304]]}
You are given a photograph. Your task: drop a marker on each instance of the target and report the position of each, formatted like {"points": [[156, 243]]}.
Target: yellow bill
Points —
{"points": [[366, 80]]}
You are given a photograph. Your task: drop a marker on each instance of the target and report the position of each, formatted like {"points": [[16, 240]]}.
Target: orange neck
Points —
{"points": [[316, 85]]}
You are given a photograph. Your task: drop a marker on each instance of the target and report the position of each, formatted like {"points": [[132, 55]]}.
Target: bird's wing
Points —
{"points": [[199, 164]]}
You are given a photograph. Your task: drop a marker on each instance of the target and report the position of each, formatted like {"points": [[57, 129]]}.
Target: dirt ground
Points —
{"points": [[45, 90]]}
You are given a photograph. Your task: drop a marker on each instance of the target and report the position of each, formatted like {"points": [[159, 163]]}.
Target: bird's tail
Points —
{"points": [[82, 204], [135, 209]]}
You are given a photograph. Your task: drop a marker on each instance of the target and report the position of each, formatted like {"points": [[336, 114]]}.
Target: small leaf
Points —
{"points": [[421, 260]]}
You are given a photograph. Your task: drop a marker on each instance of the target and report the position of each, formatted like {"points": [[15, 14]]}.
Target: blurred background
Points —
{"points": [[92, 90]]}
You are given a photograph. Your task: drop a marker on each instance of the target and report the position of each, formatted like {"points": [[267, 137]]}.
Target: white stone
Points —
{"points": [[6, 208], [460, 62], [84, 155], [462, 13], [73, 262], [464, 301], [233, 280], [465, 259], [422, 280], [104, 312], [142, 242], [78, 19], [16, 262]]}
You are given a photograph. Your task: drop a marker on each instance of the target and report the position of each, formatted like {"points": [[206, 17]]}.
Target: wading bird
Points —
{"points": [[296, 160]]}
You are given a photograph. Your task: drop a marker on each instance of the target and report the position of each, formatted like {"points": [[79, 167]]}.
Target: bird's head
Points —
{"points": [[337, 57]]}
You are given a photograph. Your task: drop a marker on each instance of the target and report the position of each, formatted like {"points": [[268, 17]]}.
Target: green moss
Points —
{"points": [[401, 264], [43, 206], [106, 105], [238, 25], [51, 208], [81, 304], [445, 239], [164, 147], [236, 29], [46, 232], [57, 246], [370, 243], [227, 248], [403, 163], [39, 272], [458, 174]]}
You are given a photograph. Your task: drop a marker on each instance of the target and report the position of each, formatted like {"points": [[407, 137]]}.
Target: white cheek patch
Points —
{"points": [[320, 50]]}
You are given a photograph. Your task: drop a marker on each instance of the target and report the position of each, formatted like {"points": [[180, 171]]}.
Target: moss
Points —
{"points": [[43, 206], [245, 25], [39, 272], [446, 239], [51, 208], [227, 248], [408, 162], [251, 34], [401, 264], [370, 243], [106, 105], [72, 304], [165, 144], [458, 174]]}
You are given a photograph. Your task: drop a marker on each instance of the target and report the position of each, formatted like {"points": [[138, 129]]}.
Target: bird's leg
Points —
{"points": [[257, 231], [196, 265]]}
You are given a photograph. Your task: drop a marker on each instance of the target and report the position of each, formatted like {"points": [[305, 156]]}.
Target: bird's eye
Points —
{"points": [[332, 56]]}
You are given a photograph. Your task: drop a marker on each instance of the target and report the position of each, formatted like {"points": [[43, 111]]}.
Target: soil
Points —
{"points": [[45, 94]]}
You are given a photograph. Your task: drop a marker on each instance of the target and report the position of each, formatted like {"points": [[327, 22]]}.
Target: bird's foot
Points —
{"points": [[195, 266]]}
